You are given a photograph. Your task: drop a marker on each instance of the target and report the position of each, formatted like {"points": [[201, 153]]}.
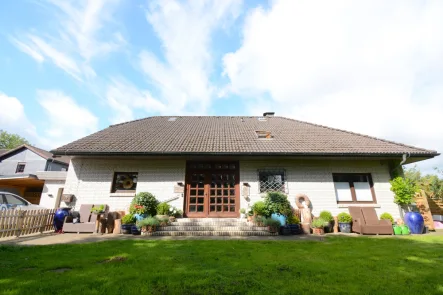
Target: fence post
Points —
{"points": [[21, 216], [45, 214]]}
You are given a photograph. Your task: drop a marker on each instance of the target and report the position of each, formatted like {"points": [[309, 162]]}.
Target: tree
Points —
{"points": [[10, 141], [431, 184]]}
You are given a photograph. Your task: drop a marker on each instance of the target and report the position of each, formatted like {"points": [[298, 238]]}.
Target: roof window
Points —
{"points": [[262, 119], [264, 134], [172, 119]]}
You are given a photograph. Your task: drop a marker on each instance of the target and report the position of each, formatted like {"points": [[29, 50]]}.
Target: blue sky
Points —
{"points": [[69, 68]]}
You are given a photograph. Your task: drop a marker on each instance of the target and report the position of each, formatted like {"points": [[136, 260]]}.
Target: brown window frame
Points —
{"points": [[20, 164], [351, 185], [114, 179]]}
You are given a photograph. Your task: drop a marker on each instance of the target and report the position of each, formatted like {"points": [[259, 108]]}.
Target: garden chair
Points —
{"points": [[365, 221]]}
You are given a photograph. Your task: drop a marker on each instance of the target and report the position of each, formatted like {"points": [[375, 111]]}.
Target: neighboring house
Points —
{"points": [[213, 166], [19, 167]]}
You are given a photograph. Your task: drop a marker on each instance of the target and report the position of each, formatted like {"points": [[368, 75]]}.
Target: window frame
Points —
{"points": [[277, 171], [19, 164], [351, 186], [114, 190]]}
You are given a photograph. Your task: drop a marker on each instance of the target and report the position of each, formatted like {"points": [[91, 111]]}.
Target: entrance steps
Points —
{"points": [[212, 227]]}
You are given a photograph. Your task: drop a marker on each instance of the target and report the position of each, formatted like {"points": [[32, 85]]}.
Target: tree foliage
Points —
{"points": [[11, 141], [431, 184], [404, 190]]}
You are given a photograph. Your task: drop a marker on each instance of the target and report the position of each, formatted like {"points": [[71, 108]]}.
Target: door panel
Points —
{"points": [[212, 189]]}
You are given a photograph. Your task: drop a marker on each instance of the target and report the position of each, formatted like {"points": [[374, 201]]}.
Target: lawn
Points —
{"points": [[337, 265]]}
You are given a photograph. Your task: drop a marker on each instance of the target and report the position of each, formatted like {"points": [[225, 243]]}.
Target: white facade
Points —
{"points": [[90, 180], [52, 189]]}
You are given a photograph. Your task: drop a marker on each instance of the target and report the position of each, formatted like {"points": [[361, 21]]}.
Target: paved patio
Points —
{"points": [[53, 239]]}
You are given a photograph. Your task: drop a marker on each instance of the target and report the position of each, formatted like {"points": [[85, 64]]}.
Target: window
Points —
{"points": [[264, 134], [124, 182], [20, 168], [354, 188], [272, 181], [13, 200]]}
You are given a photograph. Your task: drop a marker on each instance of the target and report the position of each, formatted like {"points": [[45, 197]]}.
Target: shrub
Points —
{"points": [[259, 208], [404, 190], [277, 202], [175, 212], [242, 211], [271, 222], [318, 223], [163, 208], [344, 217], [128, 219], [293, 219], [326, 215], [387, 216], [259, 220], [98, 209], [148, 201], [150, 221]]}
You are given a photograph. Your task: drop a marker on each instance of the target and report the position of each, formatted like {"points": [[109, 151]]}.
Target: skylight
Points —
{"points": [[172, 119], [264, 134]]}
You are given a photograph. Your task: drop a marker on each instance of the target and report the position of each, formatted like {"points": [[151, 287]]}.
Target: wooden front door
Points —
{"points": [[212, 189]]}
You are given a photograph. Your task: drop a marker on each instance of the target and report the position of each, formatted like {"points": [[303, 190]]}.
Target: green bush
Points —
{"points": [[148, 201], [326, 215], [259, 208], [259, 220], [242, 211], [293, 219], [344, 217], [277, 202], [271, 222], [98, 209], [387, 216], [404, 190], [318, 223], [150, 221], [163, 208], [128, 219]]}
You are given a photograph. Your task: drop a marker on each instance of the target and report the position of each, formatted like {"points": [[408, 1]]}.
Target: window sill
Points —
{"points": [[122, 194], [358, 205]]}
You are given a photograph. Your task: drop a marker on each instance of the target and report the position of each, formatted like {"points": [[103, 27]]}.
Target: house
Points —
{"points": [[19, 168], [214, 166]]}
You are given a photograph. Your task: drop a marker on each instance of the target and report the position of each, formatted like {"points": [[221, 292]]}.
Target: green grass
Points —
{"points": [[338, 265]]}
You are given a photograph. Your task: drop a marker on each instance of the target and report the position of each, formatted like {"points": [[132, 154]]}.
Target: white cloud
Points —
{"points": [[13, 118], [65, 119], [373, 67], [85, 31], [185, 30], [123, 97]]}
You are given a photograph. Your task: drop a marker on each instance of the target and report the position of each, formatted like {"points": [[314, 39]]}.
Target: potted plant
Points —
{"points": [[127, 222], [344, 222], [272, 224], [242, 213], [174, 213], [164, 221], [144, 204], [277, 206], [148, 225], [259, 220], [98, 209], [249, 214], [293, 224], [318, 225], [329, 225], [163, 210], [387, 216]]}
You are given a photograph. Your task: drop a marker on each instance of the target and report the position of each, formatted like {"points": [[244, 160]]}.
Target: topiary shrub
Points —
{"points": [[259, 208], [148, 201], [318, 223], [163, 208], [327, 216], [344, 217], [387, 216], [293, 219], [277, 202]]}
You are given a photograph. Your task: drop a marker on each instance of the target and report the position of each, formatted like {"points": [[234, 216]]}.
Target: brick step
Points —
{"points": [[212, 233], [211, 228], [209, 223]]}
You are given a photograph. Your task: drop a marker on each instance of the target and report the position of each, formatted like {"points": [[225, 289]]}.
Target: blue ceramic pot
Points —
{"points": [[279, 217], [135, 231], [139, 217], [126, 228], [295, 228], [415, 222], [344, 227]]}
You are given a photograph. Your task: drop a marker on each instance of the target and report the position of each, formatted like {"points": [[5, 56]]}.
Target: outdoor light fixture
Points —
{"points": [[180, 183]]}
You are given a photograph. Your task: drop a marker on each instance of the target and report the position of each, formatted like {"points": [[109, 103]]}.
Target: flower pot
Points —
{"points": [[345, 227], [329, 227], [162, 216], [405, 230], [149, 228], [139, 217], [415, 222], [295, 228], [318, 231], [250, 217], [397, 230], [273, 229], [285, 230], [172, 219], [135, 231], [242, 216], [279, 217], [126, 229]]}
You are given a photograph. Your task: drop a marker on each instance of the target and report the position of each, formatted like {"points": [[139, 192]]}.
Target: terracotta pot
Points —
{"points": [[250, 218], [273, 229], [148, 229], [318, 231], [171, 219]]}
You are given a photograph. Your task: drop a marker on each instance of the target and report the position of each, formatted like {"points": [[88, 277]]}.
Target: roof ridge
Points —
{"points": [[359, 134]]}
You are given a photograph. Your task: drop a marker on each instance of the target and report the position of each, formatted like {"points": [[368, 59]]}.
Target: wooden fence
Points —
{"points": [[24, 222]]}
